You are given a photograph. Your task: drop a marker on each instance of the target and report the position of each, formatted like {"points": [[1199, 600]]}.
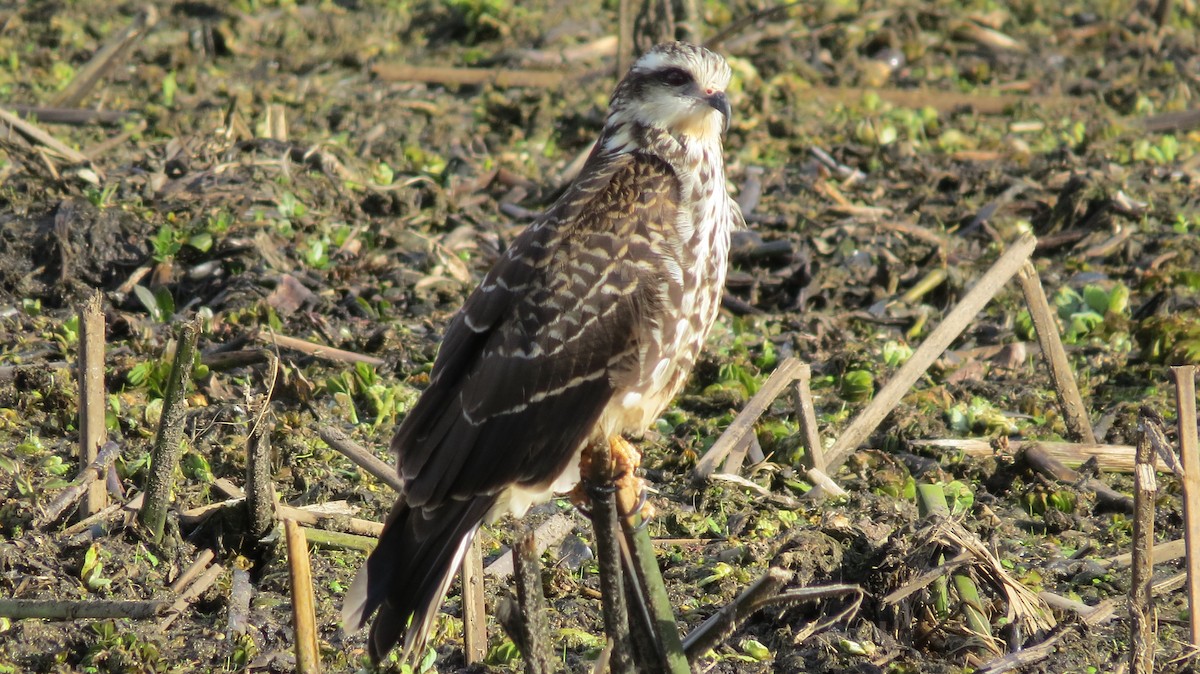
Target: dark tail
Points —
{"points": [[409, 572]]}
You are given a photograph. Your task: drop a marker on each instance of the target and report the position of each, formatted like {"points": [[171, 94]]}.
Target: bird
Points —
{"points": [[585, 329]]}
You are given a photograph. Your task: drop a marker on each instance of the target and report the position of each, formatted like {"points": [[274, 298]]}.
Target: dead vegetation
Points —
{"points": [[958, 215]]}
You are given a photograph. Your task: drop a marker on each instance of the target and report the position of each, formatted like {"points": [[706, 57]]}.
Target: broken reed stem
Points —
{"points": [[191, 594], [743, 423], [1141, 607], [535, 630], [1042, 462], [1162, 553], [624, 37], [474, 610], [1118, 458], [92, 432], [649, 578], [260, 491], [304, 615], [40, 137], [361, 457], [1074, 412], [548, 533], [197, 567], [946, 332], [102, 61], [54, 609], [164, 458], [336, 540], [721, 625], [82, 483], [602, 493], [452, 76], [932, 501], [1189, 452], [821, 481], [806, 414], [317, 350]]}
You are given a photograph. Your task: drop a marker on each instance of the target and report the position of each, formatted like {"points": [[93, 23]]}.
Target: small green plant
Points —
{"points": [[857, 386], [92, 572], [169, 88], [159, 303], [980, 415]]}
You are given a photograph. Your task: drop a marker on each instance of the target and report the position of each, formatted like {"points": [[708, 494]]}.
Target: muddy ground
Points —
{"points": [[259, 167]]}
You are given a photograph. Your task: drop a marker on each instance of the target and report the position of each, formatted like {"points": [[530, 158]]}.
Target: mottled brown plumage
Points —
{"points": [[585, 328]]}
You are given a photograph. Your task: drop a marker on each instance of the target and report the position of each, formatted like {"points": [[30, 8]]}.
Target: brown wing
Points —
{"points": [[525, 369]]}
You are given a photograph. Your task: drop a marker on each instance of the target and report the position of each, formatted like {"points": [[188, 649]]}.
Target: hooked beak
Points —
{"points": [[720, 103]]}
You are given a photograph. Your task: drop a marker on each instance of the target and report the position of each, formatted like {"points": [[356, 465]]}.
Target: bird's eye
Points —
{"points": [[675, 77]]}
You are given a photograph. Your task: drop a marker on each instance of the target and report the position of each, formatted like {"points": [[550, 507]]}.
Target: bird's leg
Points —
{"points": [[631, 494]]}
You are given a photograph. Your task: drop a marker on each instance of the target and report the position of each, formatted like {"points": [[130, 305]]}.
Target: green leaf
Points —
{"points": [[858, 386], [146, 297], [756, 650], [1096, 298]]}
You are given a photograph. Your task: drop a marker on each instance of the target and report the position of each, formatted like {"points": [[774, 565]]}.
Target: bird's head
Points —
{"points": [[676, 87]]}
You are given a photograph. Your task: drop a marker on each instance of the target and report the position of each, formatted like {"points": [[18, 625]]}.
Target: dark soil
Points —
{"points": [[269, 179]]}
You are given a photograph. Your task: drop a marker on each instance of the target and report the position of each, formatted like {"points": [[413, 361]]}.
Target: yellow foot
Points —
{"points": [[624, 461]]}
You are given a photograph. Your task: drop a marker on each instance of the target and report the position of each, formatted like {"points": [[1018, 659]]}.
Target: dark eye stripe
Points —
{"points": [[675, 77]]}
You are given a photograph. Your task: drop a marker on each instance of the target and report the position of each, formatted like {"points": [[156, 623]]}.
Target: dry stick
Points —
{"points": [[814, 447], [535, 630], [1053, 468], [360, 456], [36, 135], [351, 525], [743, 423], [551, 532], [927, 578], [1163, 552], [608, 554], [54, 609], [474, 610], [1141, 607], [755, 598], [721, 624], [164, 458], [499, 77], [304, 615], [1162, 9], [318, 350], [87, 522], [102, 61], [192, 572], [75, 116], [92, 432], [624, 37], [950, 328], [1028, 656], [1092, 615], [260, 492], [1189, 451], [1074, 412], [1117, 458], [191, 594], [327, 521], [81, 484], [806, 414], [336, 540]]}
